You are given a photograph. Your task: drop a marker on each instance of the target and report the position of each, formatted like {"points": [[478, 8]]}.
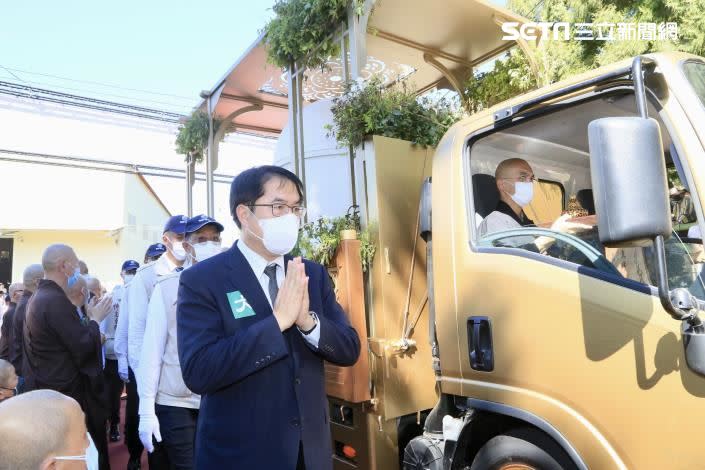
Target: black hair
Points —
{"points": [[248, 186]]}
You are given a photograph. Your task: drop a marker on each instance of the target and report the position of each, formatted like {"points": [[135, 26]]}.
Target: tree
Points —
{"points": [[554, 60]]}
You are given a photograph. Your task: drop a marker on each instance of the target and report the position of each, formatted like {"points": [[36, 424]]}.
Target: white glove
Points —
{"points": [[122, 369], [149, 426]]}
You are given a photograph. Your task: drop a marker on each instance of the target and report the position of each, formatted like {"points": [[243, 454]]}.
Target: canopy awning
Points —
{"points": [[420, 41]]}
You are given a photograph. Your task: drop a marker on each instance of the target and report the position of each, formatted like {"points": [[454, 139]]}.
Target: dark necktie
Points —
{"points": [[273, 287], [179, 269]]}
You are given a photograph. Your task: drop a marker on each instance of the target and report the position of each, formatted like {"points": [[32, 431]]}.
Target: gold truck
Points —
{"points": [[542, 349]]}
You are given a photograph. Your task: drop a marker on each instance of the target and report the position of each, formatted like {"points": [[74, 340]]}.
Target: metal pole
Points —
{"points": [[294, 137], [346, 79], [300, 128], [209, 161], [190, 173]]}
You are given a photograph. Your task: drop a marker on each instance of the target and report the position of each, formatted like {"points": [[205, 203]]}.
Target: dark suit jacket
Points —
{"points": [[16, 352], [6, 331], [262, 391], [61, 351]]}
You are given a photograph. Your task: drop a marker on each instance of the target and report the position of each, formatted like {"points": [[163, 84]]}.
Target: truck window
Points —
{"points": [[695, 73], [555, 148]]}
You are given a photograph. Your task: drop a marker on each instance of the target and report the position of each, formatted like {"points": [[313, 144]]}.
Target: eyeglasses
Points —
{"points": [[522, 179], [279, 209]]}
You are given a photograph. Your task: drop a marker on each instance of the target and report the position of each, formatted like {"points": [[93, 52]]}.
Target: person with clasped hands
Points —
{"points": [[254, 327]]}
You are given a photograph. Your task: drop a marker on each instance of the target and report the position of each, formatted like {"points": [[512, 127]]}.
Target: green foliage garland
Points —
{"points": [[193, 135], [320, 239], [397, 112], [301, 31]]}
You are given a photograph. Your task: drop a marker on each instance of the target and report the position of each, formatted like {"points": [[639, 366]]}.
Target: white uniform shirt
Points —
{"points": [[109, 324], [258, 265], [121, 331], [155, 362], [139, 292]]}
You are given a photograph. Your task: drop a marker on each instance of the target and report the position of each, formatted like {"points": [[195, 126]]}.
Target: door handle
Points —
{"points": [[480, 349]]}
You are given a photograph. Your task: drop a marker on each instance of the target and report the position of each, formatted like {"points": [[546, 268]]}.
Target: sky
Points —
{"points": [[170, 49]]}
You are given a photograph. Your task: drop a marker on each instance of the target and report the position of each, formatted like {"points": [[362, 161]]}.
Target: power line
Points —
{"points": [[26, 91], [10, 72], [91, 164], [9, 69], [184, 108], [32, 83]]}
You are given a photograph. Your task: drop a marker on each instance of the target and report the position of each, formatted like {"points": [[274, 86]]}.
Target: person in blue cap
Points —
{"points": [[138, 295], [154, 251], [168, 409], [109, 327]]}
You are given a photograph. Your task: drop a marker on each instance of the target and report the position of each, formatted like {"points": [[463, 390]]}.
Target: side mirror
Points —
{"points": [[629, 181]]}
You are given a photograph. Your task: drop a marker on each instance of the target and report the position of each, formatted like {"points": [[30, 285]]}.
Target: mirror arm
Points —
{"points": [[690, 314], [639, 91]]}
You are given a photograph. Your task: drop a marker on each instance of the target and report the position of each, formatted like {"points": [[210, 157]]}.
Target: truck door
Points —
{"points": [[575, 331]]}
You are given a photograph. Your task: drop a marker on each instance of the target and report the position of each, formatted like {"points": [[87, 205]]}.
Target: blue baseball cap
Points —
{"points": [[176, 224], [130, 265], [199, 221], [156, 249]]}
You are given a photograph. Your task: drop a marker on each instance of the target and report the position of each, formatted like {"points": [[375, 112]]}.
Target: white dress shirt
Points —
{"points": [[258, 265], [139, 293]]}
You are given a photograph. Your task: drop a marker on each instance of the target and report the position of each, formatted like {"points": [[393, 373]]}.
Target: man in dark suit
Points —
{"points": [[252, 337]]}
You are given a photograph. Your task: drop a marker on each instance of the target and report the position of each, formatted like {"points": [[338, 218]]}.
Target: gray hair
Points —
{"points": [[31, 276]]}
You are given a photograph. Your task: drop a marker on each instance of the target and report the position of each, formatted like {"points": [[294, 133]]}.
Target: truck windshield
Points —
{"points": [[695, 73]]}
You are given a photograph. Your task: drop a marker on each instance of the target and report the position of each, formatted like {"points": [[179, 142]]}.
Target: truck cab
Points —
{"points": [[574, 344]]}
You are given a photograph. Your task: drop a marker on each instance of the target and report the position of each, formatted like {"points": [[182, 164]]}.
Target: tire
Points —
{"points": [[522, 449], [422, 453]]}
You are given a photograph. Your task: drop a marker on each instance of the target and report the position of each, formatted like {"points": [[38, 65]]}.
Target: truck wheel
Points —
{"points": [[422, 453], [522, 450]]}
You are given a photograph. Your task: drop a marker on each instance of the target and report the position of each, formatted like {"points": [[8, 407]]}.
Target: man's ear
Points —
{"points": [[48, 464], [242, 212]]}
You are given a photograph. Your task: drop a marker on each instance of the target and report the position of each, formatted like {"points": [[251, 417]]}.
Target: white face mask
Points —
{"points": [[128, 277], [523, 193], [279, 234], [206, 249], [90, 457], [177, 249]]}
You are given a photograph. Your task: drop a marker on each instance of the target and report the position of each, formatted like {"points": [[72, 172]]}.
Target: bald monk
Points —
{"points": [[8, 380], [94, 286], [515, 182], [62, 349], [30, 278], [43, 430]]}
